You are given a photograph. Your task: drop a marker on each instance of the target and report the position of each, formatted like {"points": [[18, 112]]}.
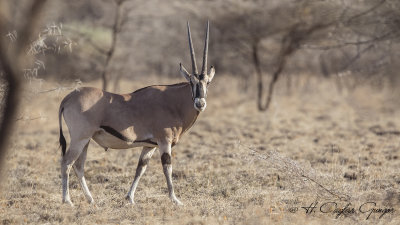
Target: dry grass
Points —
{"points": [[235, 166]]}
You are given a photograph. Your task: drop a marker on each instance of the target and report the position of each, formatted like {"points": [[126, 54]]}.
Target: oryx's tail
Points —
{"points": [[63, 143]]}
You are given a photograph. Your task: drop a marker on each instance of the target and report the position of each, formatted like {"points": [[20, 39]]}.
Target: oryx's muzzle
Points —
{"points": [[200, 104]]}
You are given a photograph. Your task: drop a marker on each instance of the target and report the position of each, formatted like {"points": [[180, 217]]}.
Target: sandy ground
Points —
{"points": [[314, 147]]}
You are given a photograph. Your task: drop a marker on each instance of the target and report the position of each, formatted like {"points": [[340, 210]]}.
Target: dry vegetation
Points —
{"points": [[331, 132], [235, 166]]}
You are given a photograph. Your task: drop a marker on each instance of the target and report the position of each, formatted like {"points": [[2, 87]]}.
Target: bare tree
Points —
{"points": [[290, 44], [247, 29], [116, 29], [252, 28], [13, 58]]}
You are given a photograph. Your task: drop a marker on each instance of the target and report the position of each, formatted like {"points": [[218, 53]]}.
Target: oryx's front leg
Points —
{"points": [[145, 156], [165, 152]]}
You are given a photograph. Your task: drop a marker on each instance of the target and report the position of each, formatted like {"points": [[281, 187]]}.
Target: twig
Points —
{"points": [[326, 189], [86, 38], [380, 132], [345, 44], [26, 119], [365, 12], [78, 83], [289, 166]]}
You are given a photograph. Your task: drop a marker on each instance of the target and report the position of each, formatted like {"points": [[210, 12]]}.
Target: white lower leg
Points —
{"points": [[139, 172], [65, 181], [85, 189], [167, 168], [145, 156]]}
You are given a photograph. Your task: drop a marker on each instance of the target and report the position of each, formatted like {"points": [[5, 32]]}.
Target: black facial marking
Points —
{"points": [[117, 134], [201, 77], [165, 158], [199, 91]]}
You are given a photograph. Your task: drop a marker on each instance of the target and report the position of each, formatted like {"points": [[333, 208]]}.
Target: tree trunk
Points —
{"points": [[10, 104], [260, 85], [115, 30], [257, 67], [12, 61]]}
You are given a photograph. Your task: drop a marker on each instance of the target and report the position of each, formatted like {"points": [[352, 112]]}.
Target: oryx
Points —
{"points": [[151, 117]]}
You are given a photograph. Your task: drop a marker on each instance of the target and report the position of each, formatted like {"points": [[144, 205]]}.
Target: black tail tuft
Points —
{"points": [[63, 143]]}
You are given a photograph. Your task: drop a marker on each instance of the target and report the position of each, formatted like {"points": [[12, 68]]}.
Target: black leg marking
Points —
{"points": [[165, 158], [143, 162]]}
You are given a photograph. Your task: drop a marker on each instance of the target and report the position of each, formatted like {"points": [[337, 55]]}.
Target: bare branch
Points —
{"points": [[87, 39], [373, 8], [290, 44], [344, 44]]}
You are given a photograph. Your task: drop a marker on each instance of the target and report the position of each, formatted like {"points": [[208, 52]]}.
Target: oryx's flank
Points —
{"points": [[154, 116]]}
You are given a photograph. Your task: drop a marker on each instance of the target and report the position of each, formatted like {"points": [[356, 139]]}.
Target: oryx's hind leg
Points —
{"points": [[79, 171], [165, 152], [75, 149], [145, 156]]}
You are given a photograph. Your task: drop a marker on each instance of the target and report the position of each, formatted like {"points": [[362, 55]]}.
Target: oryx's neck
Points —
{"points": [[189, 111], [174, 101], [181, 98]]}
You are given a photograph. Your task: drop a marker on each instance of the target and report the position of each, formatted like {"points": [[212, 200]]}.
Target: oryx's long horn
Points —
{"points": [[194, 66], [205, 54]]}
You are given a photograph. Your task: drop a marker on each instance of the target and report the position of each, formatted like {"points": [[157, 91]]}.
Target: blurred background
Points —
{"points": [[250, 39]]}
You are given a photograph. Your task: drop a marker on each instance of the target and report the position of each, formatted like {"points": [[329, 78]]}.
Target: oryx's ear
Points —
{"points": [[211, 74], [184, 72]]}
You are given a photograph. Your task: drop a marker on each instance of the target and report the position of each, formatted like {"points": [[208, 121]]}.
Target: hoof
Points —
{"points": [[177, 202], [68, 202], [130, 200]]}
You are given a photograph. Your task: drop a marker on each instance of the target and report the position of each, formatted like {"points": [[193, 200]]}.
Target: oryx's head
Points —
{"points": [[198, 82]]}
